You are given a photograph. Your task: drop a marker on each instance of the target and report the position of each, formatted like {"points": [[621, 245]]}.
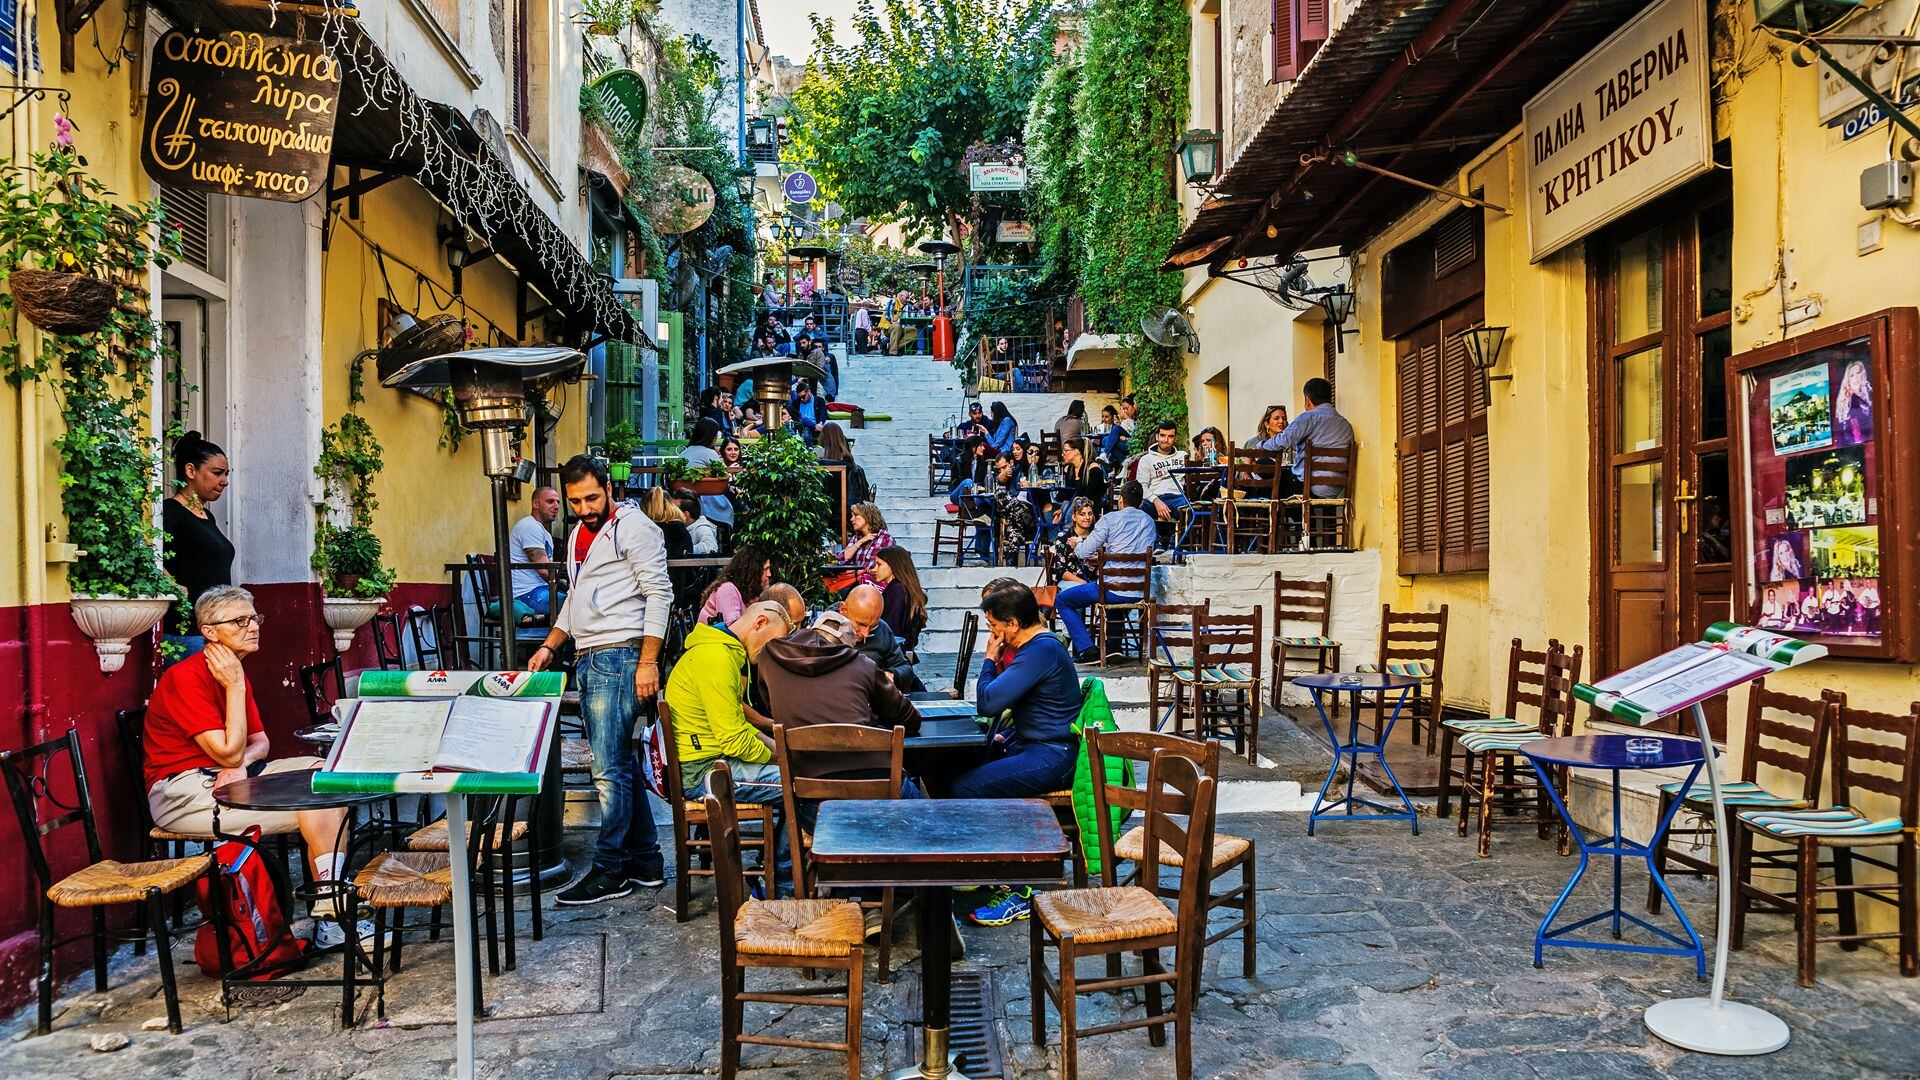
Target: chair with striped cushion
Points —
{"points": [[1413, 643], [1786, 733], [1526, 668], [1171, 648], [1301, 605], [1875, 754], [1226, 681], [1508, 790]]}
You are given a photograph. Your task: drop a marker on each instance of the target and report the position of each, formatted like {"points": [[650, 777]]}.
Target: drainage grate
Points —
{"points": [[972, 1032]]}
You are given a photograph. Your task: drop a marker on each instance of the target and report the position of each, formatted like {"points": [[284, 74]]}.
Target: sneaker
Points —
{"points": [[646, 877], [1087, 655], [1005, 906], [595, 887], [329, 934]]}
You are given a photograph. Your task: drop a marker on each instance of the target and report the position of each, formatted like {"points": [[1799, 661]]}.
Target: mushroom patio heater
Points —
{"points": [[942, 321], [773, 382]]}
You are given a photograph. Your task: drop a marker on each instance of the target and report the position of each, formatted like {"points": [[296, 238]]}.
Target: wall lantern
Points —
{"points": [[1337, 302], [1199, 151], [1483, 351]]}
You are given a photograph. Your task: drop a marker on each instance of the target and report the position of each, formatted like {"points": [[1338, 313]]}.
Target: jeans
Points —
{"points": [[1023, 770], [537, 598], [1173, 503], [757, 783], [1071, 605], [609, 705]]}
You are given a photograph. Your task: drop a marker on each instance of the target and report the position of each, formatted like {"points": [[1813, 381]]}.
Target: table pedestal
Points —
{"points": [[1351, 751], [936, 990]]}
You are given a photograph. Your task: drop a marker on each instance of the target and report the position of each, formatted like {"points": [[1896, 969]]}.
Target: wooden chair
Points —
{"points": [[163, 843], [691, 835], [386, 641], [1227, 697], [963, 661], [1130, 578], [1326, 522], [940, 472], [1873, 752], [1795, 730], [806, 756], [1413, 643], [1505, 783], [961, 540], [322, 684], [101, 883], [1251, 496], [499, 843], [791, 934], [429, 648], [1526, 669], [1133, 918], [1172, 648], [1229, 852], [1309, 605]]}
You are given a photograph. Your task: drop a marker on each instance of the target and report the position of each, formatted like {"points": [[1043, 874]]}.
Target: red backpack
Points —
{"points": [[257, 929]]}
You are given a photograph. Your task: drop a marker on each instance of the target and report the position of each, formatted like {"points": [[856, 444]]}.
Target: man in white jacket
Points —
{"points": [[616, 614]]}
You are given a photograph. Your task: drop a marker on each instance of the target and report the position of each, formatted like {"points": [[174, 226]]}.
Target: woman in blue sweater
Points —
{"points": [[1004, 429]]}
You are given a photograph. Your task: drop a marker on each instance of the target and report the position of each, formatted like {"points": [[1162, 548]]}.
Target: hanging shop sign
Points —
{"points": [[997, 177], [685, 202], [1014, 232], [1630, 122], [241, 114], [800, 187]]}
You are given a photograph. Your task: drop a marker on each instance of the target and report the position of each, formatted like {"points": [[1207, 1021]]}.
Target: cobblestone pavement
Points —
{"points": [[1381, 954]]}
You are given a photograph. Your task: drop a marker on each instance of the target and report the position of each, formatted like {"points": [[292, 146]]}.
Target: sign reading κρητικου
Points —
{"points": [[241, 114], [1629, 122]]}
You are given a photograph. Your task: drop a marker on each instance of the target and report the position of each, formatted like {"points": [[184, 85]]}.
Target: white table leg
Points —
{"points": [[462, 935], [1714, 1025]]}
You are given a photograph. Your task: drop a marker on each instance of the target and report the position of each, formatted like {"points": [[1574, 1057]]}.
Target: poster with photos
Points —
{"points": [[1827, 488], [1800, 409]]}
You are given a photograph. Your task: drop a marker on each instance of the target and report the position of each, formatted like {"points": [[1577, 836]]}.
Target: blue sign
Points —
{"points": [[800, 187], [1868, 115]]}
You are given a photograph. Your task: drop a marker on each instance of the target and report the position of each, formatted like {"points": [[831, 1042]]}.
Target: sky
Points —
{"points": [[785, 23]]}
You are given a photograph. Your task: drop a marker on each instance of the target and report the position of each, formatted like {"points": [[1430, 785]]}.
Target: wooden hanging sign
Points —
{"points": [[241, 114]]}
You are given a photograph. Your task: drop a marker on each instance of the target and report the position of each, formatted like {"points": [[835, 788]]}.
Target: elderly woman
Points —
{"points": [[203, 730]]}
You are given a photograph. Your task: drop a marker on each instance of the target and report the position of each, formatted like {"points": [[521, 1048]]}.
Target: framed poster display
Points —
{"points": [[1827, 443]]}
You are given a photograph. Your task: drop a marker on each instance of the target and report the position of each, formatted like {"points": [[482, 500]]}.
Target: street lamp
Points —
{"points": [[1199, 151], [1337, 302], [1483, 351]]}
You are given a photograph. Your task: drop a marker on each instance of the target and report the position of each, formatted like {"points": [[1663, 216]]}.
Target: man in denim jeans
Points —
{"points": [[616, 614]]}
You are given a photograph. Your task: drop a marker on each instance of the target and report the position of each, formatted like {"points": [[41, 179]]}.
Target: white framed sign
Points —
{"points": [[997, 177], [1013, 232], [1631, 121]]}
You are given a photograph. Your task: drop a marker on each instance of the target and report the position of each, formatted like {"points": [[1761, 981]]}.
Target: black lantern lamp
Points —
{"points": [[1483, 351], [1199, 153], [1337, 302]]}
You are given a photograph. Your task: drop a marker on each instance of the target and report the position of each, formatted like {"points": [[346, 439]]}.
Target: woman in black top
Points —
{"points": [[198, 554]]}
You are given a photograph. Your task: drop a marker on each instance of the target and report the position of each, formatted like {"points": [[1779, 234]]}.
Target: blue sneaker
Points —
{"points": [[1005, 906]]}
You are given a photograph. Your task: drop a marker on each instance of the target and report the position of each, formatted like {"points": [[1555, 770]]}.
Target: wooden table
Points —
{"points": [[932, 845]]}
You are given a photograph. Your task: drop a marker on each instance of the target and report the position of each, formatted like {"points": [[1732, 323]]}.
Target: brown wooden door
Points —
{"points": [[1664, 533]]}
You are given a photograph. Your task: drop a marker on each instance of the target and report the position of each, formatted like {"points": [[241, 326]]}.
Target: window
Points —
{"points": [[532, 70], [1443, 460], [1299, 26]]}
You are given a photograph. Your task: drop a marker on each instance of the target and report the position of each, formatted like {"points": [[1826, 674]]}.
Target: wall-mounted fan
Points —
{"points": [[1169, 329]]}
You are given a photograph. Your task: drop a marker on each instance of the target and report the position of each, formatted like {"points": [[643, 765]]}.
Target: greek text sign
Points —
{"points": [[997, 177], [1625, 125], [241, 114]]}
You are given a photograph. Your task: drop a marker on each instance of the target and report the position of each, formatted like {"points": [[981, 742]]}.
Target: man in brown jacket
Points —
{"points": [[818, 676]]}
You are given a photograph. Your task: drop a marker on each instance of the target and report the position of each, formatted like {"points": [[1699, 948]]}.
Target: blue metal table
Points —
{"points": [[1352, 750], [1610, 752]]}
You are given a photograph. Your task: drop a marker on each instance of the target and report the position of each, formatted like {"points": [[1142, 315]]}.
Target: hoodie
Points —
{"points": [[812, 678], [621, 589], [707, 697]]}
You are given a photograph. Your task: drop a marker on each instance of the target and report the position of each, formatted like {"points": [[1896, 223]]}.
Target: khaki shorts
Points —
{"points": [[183, 803]]}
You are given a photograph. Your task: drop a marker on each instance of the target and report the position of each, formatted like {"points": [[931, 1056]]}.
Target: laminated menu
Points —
{"points": [[467, 733], [1729, 655]]}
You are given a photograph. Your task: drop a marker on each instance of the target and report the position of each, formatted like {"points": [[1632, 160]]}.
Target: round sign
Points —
{"points": [[800, 187], [685, 201]]}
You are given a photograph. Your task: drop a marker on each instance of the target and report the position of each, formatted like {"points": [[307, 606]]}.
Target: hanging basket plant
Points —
{"points": [[63, 303]]}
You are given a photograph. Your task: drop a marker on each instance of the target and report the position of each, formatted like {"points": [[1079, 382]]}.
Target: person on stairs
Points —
{"points": [[1127, 531]]}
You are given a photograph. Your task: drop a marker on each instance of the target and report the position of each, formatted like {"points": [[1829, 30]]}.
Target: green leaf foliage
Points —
{"points": [[783, 508], [350, 461], [887, 113]]}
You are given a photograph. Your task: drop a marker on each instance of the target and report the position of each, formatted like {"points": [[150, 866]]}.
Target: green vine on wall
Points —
{"points": [[53, 216], [348, 557]]}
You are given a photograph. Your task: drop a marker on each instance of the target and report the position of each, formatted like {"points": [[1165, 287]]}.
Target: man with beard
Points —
{"points": [[616, 614]]}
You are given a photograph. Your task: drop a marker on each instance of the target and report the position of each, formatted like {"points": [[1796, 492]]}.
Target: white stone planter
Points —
{"points": [[344, 616], [114, 621]]}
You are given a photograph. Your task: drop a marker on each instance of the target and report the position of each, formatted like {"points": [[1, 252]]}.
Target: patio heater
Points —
{"points": [[773, 382], [942, 321], [490, 394]]}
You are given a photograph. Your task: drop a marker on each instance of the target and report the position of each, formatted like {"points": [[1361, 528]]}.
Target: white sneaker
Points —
{"points": [[329, 934]]}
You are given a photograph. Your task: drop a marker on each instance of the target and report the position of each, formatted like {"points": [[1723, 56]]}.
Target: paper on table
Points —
{"points": [[490, 735], [1700, 681], [391, 736]]}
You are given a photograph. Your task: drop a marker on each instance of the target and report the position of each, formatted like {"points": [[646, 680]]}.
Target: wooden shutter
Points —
{"points": [[1443, 455], [1419, 452], [1310, 20], [1286, 41], [522, 65], [1329, 347]]}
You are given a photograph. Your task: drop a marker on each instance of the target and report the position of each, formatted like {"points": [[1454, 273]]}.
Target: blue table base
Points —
{"points": [[1352, 750], [1616, 847]]}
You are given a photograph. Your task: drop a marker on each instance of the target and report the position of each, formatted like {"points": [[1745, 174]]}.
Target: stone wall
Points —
{"points": [[1240, 582]]}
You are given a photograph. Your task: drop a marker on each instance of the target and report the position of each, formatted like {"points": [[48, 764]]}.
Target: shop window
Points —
{"points": [[532, 70], [1444, 468]]}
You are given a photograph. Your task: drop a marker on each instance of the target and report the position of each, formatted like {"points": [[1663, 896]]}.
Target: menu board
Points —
{"points": [[1819, 484]]}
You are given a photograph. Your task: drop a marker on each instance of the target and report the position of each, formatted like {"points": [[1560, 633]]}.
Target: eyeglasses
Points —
{"points": [[243, 621]]}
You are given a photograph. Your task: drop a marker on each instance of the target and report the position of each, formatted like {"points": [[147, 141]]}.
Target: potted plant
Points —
{"points": [[711, 479], [783, 509], [74, 261], [620, 444], [354, 582]]}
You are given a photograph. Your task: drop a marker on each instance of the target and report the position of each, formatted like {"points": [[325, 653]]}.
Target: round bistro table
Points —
{"points": [[1352, 749]]}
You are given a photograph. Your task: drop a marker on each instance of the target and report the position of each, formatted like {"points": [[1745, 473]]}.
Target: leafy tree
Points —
{"points": [[784, 509], [1057, 180], [888, 118]]}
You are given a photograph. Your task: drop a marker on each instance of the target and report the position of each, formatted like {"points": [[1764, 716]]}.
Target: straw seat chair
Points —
{"points": [[1525, 670], [1308, 605], [1109, 921], [1173, 640], [101, 883], [692, 838], [498, 842], [1412, 643], [788, 934], [1249, 502]]}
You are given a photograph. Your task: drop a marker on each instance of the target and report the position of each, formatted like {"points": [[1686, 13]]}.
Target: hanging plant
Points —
{"points": [[57, 224], [347, 556]]}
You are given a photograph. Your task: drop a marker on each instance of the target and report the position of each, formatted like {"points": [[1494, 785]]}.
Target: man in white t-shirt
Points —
{"points": [[1156, 474], [532, 541]]}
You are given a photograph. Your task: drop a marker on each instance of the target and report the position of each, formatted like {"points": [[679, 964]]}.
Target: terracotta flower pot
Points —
{"points": [[711, 485], [114, 621], [62, 303]]}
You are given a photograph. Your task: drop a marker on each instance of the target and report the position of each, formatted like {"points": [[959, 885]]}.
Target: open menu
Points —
{"points": [[467, 733], [1729, 655]]}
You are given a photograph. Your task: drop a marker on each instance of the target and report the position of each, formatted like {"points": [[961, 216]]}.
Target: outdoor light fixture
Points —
{"points": [[772, 382], [1337, 302], [460, 253], [1483, 351], [1199, 151]]}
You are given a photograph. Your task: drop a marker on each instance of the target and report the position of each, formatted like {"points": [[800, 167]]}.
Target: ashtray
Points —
{"points": [[1641, 747]]}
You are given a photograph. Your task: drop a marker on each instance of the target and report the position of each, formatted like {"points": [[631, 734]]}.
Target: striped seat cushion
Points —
{"points": [[1733, 793], [1465, 724], [1839, 823], [1308, 642], [1419, 669], [1216, 674], [1498, 742]]}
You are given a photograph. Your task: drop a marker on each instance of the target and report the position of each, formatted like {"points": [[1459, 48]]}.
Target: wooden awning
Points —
{"points": [[1417, 87]]}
